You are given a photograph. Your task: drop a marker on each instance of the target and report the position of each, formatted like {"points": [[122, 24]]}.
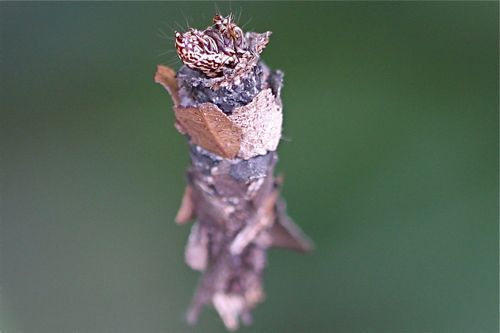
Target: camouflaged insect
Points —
{"points": [[232, 195], [221, 50]]}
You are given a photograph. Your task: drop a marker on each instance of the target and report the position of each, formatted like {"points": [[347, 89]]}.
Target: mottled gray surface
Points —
{"points": [[241, 170], [203, 160], [196, 88], [253, 168]]}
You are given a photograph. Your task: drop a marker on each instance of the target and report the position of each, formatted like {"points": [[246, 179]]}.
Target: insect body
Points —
{"points": [[220, 49], [198, 50], [230, 31]]}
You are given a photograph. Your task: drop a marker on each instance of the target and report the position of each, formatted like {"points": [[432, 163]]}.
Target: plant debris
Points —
{"points": [[227, 102]]}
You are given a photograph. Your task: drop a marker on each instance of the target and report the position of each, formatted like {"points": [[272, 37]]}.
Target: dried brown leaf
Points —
{"points": [[166, 77], [260, 122], [210, 128]]}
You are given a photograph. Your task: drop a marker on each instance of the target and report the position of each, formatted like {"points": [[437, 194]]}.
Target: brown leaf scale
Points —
{"points": [[166, 77], [210, 128]]}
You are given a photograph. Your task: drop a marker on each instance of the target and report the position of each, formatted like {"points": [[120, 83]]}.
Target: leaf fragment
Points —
{"points": [[260, 122], [229, 307], [210, 128], [196, 254], [286, 234], [166, 77], [186, 210], [263, 219]]}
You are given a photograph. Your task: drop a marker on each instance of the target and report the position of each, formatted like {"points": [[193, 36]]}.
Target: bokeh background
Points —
{"points": [[390, 159]]}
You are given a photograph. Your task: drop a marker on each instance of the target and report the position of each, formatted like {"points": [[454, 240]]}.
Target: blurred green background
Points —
{"points": [[391, 166]]}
